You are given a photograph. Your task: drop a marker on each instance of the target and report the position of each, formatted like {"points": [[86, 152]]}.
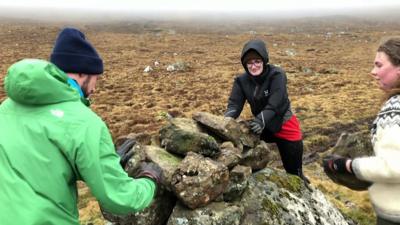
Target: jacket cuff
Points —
{"points": [[355, 166], [230, 113]]}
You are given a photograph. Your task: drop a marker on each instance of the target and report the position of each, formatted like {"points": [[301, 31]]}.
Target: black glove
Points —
{"points": [[124, 151], [150, 170], [257, 125], [335, 169], [337, 164]]}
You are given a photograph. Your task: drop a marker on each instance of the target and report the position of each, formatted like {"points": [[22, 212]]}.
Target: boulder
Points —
{"points": [[228, 129], [165, 160], [257, 158], [220, 213], [353, 145], [238, 178], [199, 180], [230, 155], [181, 136], [276, 198]]}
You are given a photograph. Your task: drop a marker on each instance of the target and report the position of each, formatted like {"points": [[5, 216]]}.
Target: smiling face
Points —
{"points": [[386, 74], [255, 66]]}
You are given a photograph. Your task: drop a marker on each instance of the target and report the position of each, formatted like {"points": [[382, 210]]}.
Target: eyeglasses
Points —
{"points": [[254, 62]]}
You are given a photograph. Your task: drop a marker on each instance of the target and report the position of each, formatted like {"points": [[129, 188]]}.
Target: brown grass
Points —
{"points": [[328, 78]]}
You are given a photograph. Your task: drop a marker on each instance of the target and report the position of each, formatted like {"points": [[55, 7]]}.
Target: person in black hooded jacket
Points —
{"points": [[263, 86]]}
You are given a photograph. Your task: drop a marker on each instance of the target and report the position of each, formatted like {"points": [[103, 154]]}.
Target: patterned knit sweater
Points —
{"points": [[383, 169]]}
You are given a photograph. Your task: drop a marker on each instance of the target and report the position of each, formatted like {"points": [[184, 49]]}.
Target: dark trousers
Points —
{"points": [[291, 154], [380, 221]]}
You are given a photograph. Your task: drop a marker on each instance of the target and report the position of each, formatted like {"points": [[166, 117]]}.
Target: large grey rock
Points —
{"points": [[276, 198], [230, 156], [182, 135], [216, 213], [257, 158], [165, 160], [353, 145], [139, 155], [228, 129], [238, 179], [199, 180]]}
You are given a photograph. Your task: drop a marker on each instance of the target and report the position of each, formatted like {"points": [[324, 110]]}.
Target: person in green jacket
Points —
{"points": [[49, 140]]}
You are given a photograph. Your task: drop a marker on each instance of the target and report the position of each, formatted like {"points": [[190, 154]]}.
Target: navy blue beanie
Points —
{"points": [[72, 53]]}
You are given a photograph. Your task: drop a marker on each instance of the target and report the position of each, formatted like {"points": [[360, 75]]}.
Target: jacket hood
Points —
{"points": [[38, 82], [259, 47]]}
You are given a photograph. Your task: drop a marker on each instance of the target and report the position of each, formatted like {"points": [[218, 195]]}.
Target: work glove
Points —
{"points": [[150, 170], [125, 151], [153, 172], [257, 125], [335, 169]]}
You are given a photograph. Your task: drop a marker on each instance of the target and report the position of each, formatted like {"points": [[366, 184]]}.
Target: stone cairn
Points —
{"points": [[216, 172]]}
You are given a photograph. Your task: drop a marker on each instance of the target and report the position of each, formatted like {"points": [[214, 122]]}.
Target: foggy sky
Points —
{"points": [[204, 5], [70, 8]]}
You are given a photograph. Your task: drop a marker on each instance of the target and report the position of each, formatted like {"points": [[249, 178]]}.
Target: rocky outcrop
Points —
{"points": [[275, 198], [220, 213]]}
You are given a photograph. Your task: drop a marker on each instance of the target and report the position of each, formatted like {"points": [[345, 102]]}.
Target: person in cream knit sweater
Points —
{"points": [[383, 169]]}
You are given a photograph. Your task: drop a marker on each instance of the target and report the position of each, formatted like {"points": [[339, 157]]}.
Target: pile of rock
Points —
{"points": [[215, 173]]}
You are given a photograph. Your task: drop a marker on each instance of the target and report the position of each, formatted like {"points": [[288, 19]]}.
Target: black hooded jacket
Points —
{"points": [[266, 93]]}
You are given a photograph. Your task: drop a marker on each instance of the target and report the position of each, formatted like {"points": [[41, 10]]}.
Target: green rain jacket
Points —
{"points": [[48, 141]]}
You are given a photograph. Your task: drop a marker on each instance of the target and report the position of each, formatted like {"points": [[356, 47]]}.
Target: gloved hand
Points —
{"points": [[125, 151], [257, 125], [336, 164], [150, 170], [335, 169]]}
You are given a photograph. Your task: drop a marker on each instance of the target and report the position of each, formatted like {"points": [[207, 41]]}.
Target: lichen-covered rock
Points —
{"points": [[199, 180], [165, 160], [353, 145], [139, 155], [257, 158], [230, 156], [157, 213], [248, 138], [238, 178], [228, 129], [181, 136], [216, 213], [276, 198]]}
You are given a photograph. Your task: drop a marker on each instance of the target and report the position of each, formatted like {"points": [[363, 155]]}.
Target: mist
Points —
{"points": [[102, 14]]}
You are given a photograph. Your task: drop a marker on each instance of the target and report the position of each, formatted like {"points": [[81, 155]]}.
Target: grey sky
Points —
{"points": [[203, 5]]}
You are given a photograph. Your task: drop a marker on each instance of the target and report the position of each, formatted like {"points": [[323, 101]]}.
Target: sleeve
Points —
{"points": [[236, 101], [385, 166], [276, 100], [98, 165]]}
